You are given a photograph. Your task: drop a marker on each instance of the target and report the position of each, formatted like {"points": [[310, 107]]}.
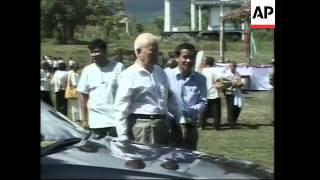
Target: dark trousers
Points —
{"points": [[102, 132], [191, 139], [45, 96], [213, 110], [232, 110], [61, 102]]}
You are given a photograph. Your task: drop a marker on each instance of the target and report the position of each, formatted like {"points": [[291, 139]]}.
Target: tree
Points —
{"points": [[62, 17], [159, 23], [139, 28], [106, 14], [48, 21]]}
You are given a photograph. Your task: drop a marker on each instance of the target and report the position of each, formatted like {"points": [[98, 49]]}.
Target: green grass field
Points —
{"points": [[253, 140]]}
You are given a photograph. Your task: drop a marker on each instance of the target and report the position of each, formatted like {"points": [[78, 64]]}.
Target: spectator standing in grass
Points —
{"points": [[233, 94], [189, 87], [59, 82], [97, 89], [45, 88], [73, 78], [213, 109]]}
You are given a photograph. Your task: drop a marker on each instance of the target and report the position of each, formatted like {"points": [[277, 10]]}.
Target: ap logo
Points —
{"points": [[262, 13]]}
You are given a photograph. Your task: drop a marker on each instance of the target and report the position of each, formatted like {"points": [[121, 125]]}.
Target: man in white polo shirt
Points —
{"points": [[97, 87]]}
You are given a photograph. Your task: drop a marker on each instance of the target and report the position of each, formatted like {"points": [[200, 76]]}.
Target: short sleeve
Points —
{"points": [[83, 85]]}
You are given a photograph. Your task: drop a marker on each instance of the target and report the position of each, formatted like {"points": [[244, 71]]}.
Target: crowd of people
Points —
{"points": [[144, 102], [55, 77]]}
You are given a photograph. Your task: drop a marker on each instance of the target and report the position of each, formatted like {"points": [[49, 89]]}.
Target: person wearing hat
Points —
{"points": [[73, 78], [59, 81]]}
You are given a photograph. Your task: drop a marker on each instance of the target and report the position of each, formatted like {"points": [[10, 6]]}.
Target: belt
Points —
{"points": [[148, 116]]}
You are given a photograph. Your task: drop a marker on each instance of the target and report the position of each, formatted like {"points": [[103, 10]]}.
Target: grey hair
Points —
{"points": [[143, 40]]}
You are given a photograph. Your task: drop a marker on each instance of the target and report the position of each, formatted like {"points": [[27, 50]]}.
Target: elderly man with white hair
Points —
{"points": [[141, 103]]}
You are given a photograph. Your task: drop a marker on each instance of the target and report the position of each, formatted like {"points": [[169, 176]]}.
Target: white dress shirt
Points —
{"points": [[44, 80], [100, 83], [74, 77], [236, 92], [59, 80], [140, 92], [211, 74]]}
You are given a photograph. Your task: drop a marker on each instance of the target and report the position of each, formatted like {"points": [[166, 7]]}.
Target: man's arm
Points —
{"points": [[84, 110], [201, 105], [238, 82], [122, 104], [175, 109], [83, 89]]}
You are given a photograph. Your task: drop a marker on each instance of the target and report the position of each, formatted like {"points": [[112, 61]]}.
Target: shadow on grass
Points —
{"points": [[224, 127]]}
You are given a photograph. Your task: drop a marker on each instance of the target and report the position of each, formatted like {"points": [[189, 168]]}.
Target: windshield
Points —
{"points": [[55, 127]]}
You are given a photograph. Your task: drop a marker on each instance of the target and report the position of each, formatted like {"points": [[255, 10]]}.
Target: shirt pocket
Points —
{"points": [[163, 92], [190, 90]]}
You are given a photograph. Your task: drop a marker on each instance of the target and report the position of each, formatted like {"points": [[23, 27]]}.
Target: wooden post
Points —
{"points": [[222, 41], [221, 34], [127, 27], [249, 45]]}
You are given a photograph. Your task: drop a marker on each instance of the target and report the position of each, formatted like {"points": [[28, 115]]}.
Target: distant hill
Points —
{"points": [[145, 11]]}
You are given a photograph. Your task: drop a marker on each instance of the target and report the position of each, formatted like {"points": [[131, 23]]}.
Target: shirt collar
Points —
{"points": [[178, 73], [139, 68]]}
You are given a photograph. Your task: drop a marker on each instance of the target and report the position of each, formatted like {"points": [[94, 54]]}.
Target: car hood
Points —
{"points": [[110, 158]]}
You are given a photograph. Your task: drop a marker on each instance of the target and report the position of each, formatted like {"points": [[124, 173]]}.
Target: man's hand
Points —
{"points": [[122, 138], [85, 125], [219, 85], [237, 84]]}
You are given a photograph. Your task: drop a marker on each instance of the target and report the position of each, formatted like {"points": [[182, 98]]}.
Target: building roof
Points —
{"points": [[218, 2]]}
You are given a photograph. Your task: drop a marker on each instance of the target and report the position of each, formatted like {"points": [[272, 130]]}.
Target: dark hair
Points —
{"points": [[45, 65], [208, 60], [97, 43], [171, 63], [171, 54], [188, 46], [62, 66], [233, 62], [74, 66]]}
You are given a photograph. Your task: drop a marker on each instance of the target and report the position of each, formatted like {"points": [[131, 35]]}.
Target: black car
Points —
{"points": [[68, 151]]}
